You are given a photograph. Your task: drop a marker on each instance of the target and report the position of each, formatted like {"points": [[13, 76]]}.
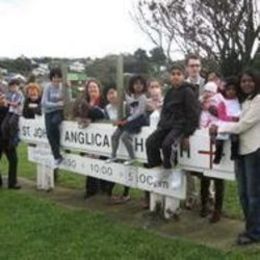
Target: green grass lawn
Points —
{"points": [[33, 228]]}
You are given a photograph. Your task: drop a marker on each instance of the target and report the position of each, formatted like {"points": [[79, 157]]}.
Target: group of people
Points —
{"points": [[229, 108]]}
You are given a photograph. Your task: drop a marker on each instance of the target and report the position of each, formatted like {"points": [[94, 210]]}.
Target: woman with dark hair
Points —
{"points": [[247, 165]]}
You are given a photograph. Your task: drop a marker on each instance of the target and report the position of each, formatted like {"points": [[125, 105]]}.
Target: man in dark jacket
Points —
{"points": [[179, 119]]}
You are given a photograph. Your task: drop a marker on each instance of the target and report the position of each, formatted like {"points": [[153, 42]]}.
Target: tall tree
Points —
{"points": [[225, 31]]}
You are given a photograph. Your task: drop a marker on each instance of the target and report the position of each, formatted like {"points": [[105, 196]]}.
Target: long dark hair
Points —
{"points": [[255, 77], [133, 80]]}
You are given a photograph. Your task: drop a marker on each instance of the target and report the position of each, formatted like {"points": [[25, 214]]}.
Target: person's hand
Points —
{"points": [[213, 111], [60, 103], [121, 122], [116, 123], [185, 143], [235, 118], [213, 130], [67, 84]]}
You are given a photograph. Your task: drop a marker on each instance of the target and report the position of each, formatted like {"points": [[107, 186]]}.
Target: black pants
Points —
{"points": [[111, 186], [94, 185], [220, 146], [165, 139], [12, 158], [10, 128], [53, 121], [219, 186]]}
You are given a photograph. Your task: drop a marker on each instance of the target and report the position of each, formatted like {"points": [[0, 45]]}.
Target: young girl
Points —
{"points": [[228, 111], [32, 103], [136, 102], [111, 112], [155, 100], [53, 105]]}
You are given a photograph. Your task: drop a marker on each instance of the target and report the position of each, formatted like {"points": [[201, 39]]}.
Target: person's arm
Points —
{"points": [[192, 110], [247, 121], [15, 103], [46, 103], [25, 112], [140, 109]]}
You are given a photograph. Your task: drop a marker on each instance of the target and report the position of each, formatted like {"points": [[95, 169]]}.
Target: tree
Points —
{"points": [[225, 31], [158, 60], [142, 61]]}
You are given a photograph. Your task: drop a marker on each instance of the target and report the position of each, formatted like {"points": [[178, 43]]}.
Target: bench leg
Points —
{"points": [[156, 201], [171, 205], [45, 177]]}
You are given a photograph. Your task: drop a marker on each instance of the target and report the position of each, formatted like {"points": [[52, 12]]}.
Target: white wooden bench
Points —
{"points": [[96, 140]]}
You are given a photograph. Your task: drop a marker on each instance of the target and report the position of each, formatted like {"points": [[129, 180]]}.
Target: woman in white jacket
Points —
{"points": [[247, 166]]}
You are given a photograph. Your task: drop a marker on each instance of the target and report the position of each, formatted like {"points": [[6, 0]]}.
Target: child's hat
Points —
{"points": [[211, 87]]}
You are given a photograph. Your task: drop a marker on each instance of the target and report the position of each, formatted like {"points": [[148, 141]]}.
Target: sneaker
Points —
{"points": [[129, 162], [110, 160], [58, 162]]}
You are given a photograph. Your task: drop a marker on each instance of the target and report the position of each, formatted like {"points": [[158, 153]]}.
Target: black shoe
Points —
{"points": [[216, 160], [204, 212], [244, 240], [88, 195], [14, 187], [215, 217]]}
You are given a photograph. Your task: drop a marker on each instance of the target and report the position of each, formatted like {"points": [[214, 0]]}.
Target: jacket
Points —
{"points": [[181, 109]]}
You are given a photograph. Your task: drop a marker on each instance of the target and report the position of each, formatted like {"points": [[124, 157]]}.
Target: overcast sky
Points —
{"points": [[68, 28]]}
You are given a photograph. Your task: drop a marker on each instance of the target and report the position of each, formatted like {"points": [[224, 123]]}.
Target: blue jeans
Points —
{"points": [[248, 179], [52, 124]]}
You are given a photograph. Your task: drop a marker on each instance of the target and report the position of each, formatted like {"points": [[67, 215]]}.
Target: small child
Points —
{"points": [[155, 100], [228, 111], [10, 125], [111, 112], [32, 103], [126, 128], [208, 116]]}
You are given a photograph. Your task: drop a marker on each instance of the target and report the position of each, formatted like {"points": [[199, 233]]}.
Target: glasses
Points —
{"points": [[194, 65]]}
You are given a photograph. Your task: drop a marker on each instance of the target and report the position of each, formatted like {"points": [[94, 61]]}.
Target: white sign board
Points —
{"points": [[172, 185], [96, 139]]}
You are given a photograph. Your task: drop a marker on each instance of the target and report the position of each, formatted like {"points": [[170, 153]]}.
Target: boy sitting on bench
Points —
{"points": [[178, 121]]}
